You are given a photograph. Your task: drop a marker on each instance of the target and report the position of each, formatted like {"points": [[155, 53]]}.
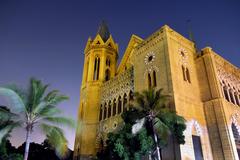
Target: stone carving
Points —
{"points": [[228, 78], [117, 86], [234, 119], [149, 69], [183, 56], [193, 124], [149, 58]]}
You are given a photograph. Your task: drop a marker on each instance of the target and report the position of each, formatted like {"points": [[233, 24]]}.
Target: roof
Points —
{"points": [[103, 31]]}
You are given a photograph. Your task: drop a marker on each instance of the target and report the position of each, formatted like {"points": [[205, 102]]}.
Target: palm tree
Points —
{"points": [[37, 109], [158, 117]]}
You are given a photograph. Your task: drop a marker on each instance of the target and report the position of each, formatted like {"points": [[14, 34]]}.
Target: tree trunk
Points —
{"points": [[156, 142], [157, 147], [27, 145]]}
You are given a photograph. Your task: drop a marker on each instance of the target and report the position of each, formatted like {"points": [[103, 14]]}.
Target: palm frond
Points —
{"points": [[54, 98], [61, 121], [37, 90], [17, 102], [48, 111], [6, 115], [22, 93], [139, 102], [162, 130], [5, 130], [56, 138]]}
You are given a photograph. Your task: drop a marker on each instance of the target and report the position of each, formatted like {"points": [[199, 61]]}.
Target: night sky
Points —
{"points": [[46, 38]]}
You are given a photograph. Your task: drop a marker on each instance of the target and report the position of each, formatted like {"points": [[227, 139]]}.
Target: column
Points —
{"points": [[232, 93], [228, 94], [222, 90]]}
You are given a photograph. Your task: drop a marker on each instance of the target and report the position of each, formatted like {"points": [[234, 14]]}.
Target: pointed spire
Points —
{"points": [[190, 33], [103, 31]]}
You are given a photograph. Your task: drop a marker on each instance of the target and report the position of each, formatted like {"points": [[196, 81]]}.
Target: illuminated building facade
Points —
{"points": [[204, 89]]}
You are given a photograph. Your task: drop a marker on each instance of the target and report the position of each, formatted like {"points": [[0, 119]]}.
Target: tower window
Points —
{"points": [[149, 81], [96, 68], [108, 63], [182, 54], [107, 74], [150, 58], [188, 75], [100, 113], [154, 79], [183, 72]]}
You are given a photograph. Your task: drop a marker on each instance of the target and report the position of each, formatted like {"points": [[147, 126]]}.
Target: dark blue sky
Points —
{"points": [[46, 38]]}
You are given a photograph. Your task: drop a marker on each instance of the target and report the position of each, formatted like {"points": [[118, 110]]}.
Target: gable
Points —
{"points": [[126, 60]]}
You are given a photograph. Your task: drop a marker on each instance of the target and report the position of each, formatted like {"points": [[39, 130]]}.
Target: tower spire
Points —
{"points": [[190, 30], [103, 31], [191, 33]]}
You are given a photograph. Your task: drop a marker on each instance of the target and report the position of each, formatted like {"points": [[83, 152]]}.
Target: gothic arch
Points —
{"points": [[96, 68], [107, 74], [235, 133], [234, 121], [193, 125], [194, 139]]}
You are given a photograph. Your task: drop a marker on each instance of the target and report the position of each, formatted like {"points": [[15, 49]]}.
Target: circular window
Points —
{"points": [[149, 58], [182, 54]]}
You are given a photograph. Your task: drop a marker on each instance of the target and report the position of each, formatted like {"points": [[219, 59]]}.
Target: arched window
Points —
{"points": [[188, 75], [231, 96], [125, 102], [225, 90], [197, 146], [105, 111], [119, 110], [131, 96], [154, 79], [149, 81], [96, 68], [183, 72], [114, 107], [196, 141], [107, 74], [109, 109], [236, 138], [236, 98], [108, 62], [100, 113]]}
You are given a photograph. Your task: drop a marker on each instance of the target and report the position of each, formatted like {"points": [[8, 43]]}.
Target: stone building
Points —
{"points": [[205, 90]]}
